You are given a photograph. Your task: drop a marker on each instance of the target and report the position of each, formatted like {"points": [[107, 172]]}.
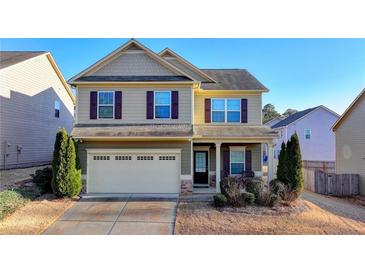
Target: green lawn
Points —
{"points": [[12, 199]]}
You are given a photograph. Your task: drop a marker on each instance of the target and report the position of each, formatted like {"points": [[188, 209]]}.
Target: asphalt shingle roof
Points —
{"points": [[9, 58], [142, 78], [292, 118], [132, 130], [232, 79], [233, 131]]}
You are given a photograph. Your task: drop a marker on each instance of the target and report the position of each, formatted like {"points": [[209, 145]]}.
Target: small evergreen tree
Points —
{"points": [[75, 183], [282, 170], [295, 174], [66, 179], [59, 163]]}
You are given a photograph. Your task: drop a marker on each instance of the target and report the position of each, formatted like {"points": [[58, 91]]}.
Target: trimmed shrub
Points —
{"points": [[295, 174], [219, 200], [267, 198], [43, 179], [277, 187], [66, 179], [248, 198], [254, 185], [231, 189]]}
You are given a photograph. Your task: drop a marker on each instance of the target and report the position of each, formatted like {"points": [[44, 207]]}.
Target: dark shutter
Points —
{"points": [[175, 105], [225, 162], [243, 110], [207, 110], [93, 105], [150, 100], [248, 160], [118, 105]]}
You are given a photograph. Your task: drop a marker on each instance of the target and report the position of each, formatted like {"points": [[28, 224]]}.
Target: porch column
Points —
{"points": [[270, 162], [217, 167]]}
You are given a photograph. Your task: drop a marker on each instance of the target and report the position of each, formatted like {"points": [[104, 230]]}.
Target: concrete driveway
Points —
{"points": [[117, 216]]}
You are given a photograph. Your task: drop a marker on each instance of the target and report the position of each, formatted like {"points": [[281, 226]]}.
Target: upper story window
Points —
{"points": [[308, 134], [106, 104], [162, 104], [226, 110], [57, 107], [237, 160]]}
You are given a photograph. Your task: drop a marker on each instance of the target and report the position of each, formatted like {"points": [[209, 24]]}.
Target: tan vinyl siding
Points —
{"points": [[184, 146], [133, 106], [254, 106], [132, 63], [350, 144], [28, 91], [185, 69]]}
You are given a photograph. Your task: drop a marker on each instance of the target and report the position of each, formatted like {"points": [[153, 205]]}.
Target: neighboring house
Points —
{"points": [[274, 121], [155, 123], [35, 101], [350, 140], [313, 127]]}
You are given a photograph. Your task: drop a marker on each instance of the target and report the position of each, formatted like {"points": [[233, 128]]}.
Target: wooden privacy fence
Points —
{"points": [[330, 183]]}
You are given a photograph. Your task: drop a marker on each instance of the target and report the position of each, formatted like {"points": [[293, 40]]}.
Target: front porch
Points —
{"points": [[232, 158]]}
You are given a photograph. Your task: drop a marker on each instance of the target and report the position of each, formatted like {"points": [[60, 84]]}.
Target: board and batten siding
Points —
{"points": [[184, 146], [28, 91], [132, 63], [350, 143], [133, 106], [254, 106]]}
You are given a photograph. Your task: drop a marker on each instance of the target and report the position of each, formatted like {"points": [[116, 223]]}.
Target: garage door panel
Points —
{"points": [[134, 173]]}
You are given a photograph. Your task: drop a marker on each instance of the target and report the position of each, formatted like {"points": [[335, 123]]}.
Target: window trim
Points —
{"points": [[310, 134], [226, 111], [97, 109], [154, 103], [237, 149]]}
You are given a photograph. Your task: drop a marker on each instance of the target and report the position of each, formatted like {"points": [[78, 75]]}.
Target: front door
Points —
{"points": [[200, 168]]}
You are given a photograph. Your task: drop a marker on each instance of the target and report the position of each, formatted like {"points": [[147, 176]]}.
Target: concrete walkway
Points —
{"points": [[117, 216], [336, 206]]}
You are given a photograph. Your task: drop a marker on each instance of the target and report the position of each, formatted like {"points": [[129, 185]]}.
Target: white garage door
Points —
{"points": [[127, 171]]}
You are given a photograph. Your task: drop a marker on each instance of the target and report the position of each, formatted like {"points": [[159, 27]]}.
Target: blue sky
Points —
{"points": [[300, 73]]}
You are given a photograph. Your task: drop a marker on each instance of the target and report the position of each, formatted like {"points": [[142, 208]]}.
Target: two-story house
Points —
{"points": [[35, 101], [313, 127], [155, 123]]}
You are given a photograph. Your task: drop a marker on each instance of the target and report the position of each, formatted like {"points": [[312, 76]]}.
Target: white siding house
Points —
{"points": [[313, 127], [35, 101]]}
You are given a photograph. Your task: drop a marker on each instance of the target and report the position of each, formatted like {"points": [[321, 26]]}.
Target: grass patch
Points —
{"points": [[12, 199]]}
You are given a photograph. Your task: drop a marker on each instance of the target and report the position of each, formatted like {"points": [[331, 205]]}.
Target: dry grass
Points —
{"points": [[301, 218], [35, 216]]}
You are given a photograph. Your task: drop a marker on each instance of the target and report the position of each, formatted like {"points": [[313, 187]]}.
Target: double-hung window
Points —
{"points": [[308, 134], [226, 110], [106, 104], [237, 160], [57, 106], [162, 104]]}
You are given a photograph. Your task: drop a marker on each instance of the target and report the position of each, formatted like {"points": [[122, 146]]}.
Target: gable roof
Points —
{"points": [[298, 115], [280, 118], [349, 110], [9, 58], [232, 79], [130, 44], [171, 54]]}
